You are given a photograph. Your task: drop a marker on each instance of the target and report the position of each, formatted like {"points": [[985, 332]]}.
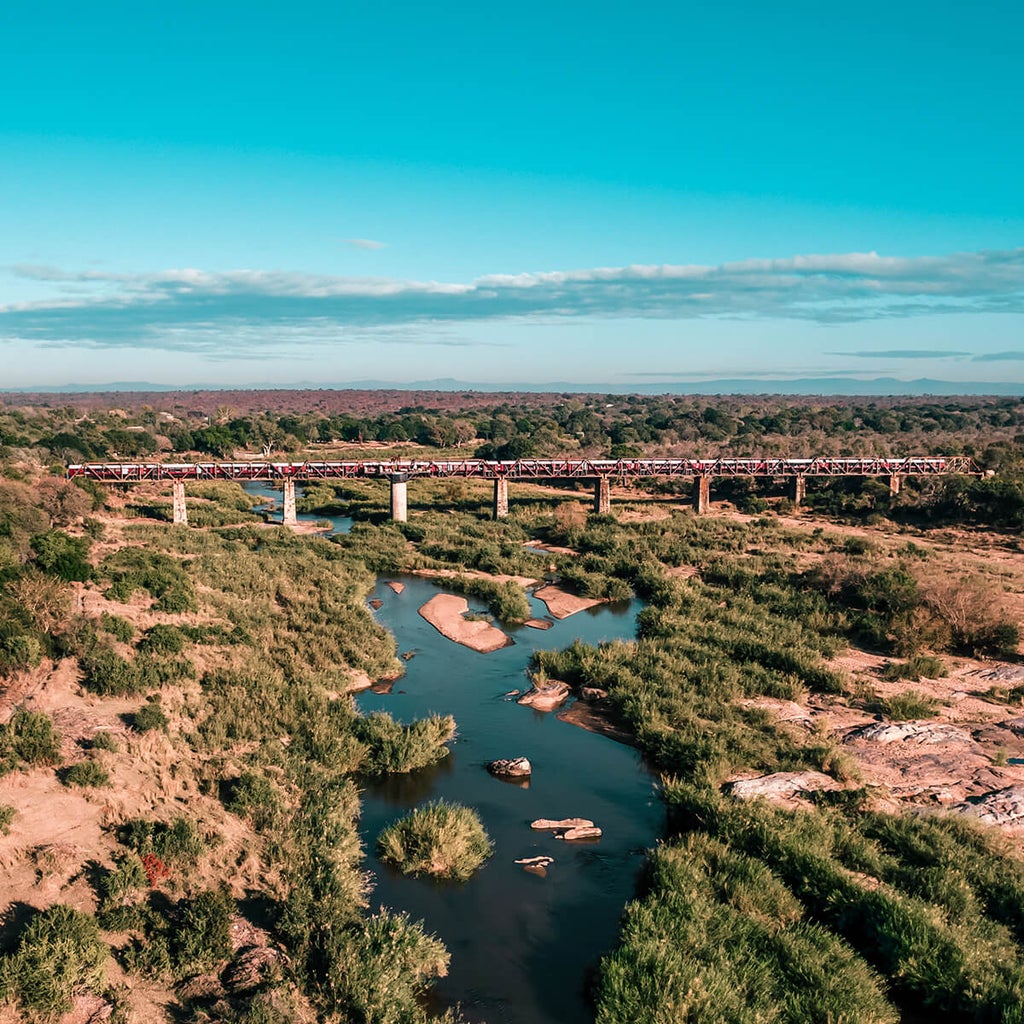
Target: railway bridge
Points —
{"points": [[599, 472]]}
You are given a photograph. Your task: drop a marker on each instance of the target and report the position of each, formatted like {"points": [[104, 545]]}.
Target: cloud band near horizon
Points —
{"points": [[189, 310]]}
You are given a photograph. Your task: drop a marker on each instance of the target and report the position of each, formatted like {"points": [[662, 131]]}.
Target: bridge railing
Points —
{"points": [[523, 469]]}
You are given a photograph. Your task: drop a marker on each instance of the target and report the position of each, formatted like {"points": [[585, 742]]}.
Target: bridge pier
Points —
{"points": [[500, 497], [895, 484], [799, 490], [180, 514], [702, 494], [602, 496], [288, 505], [399, 497]]}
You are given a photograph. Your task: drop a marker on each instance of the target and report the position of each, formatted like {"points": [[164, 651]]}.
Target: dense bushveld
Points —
{"points": [[747, 912], [511, 426]]}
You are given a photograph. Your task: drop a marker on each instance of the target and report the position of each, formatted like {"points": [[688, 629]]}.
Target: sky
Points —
{"points": [[227, 193]]}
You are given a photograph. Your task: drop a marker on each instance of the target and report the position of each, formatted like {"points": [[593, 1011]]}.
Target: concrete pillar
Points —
{"points": [[288, 517], [500, 497], [895, 483], [399, 497], [799, 489], [602, 496], [180, 511], [702, 494]]}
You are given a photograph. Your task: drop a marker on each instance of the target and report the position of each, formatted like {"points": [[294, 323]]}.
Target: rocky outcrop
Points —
{"points": [[781, 785], [1002, 807], [916, 733], [545, 696], [592, 693], [582, 832], [547, 823], [513, 767]]}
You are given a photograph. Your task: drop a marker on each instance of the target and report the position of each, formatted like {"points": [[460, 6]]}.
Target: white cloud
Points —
{"points": [[365, 243], [184, 308]]}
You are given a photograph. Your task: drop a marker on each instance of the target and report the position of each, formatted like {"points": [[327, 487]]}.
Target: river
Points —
{"points": [[523, 947]]}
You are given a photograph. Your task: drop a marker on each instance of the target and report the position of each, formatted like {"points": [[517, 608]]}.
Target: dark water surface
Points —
{"points": [[522, 946]]}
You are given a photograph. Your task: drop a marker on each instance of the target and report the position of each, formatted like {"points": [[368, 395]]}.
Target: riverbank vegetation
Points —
{"points": [[232, 802]]}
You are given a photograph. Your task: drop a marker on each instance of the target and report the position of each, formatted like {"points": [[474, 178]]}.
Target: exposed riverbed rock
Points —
{"points": [[536, 865], [445, 612], [514, 767], [592, 693], [376, 603], [538, 623], [396, 586], [547, 823], [1000, 673], [546, 696], [1002, 807], [582, 832], [917, 733], [781, 785]]}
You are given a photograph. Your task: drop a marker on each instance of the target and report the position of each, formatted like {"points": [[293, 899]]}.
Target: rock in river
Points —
{"points": [[546, 823], [583, 832], [513, 767], [546, 696]]}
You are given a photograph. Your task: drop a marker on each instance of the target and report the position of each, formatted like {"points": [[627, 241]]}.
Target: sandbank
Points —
{"points": [[445, 612]]}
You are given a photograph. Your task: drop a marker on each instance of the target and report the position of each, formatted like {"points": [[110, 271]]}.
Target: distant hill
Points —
{"points": [[727, 386]]}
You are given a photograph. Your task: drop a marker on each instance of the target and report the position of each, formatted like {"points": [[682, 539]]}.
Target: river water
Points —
{"points": [[523, 947]]}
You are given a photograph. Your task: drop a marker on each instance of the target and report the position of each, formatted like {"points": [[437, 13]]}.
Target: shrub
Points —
{"points": [[105, 740], [914, 668], [118, 627], [440, 838], [121, 888], [255, 797], [106, 673], [62, 556], [178, 841], [59, 953], [7, 813], [201, 937], [163, 639], [86, 774], [908, 706], [150, 716], [29, 738], [394, 747]]}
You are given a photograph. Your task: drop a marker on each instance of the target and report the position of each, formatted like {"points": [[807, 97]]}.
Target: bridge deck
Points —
{"points": [[521, 469]]}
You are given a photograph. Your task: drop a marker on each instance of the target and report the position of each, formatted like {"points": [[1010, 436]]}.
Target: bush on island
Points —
{"points": [[441, 838]]}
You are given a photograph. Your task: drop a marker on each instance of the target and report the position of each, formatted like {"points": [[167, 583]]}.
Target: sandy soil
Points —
{"points": [[445, 612], [561, 604], [476, 574]]}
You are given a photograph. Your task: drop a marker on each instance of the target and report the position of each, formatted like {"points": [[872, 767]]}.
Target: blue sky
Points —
{"points": [[594, 192]]}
